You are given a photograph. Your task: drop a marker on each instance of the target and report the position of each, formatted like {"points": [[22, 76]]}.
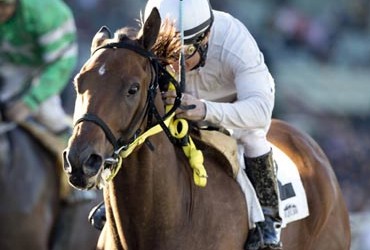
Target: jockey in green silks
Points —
{"points": [[38, 53]]}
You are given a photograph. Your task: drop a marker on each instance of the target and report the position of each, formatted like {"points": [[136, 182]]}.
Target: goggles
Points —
{"points": [[190, 50]]}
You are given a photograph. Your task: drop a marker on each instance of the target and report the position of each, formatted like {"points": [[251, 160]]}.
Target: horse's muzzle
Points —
{"points": [[82, 171]]}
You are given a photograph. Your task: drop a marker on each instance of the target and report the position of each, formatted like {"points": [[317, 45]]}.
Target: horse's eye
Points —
{"points": [[134, 89]]}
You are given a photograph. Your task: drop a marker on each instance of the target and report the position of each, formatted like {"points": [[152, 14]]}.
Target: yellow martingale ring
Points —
{"points": [[179, 128]]}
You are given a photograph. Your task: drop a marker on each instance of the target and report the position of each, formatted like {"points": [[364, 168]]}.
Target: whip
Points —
{"points": [[182, 54]]}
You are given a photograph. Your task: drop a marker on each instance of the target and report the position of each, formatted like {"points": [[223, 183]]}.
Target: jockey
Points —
{"points": [[38, 53], [230, 86]]}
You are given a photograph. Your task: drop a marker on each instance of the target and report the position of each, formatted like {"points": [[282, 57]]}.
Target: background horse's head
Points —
{"points": [[112, 99]]}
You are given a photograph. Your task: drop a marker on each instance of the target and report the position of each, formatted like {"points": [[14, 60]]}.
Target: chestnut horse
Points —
{"points": [[152, 201]]}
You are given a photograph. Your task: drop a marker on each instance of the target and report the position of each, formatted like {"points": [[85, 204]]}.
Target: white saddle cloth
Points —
{"points": [[293, 201]]}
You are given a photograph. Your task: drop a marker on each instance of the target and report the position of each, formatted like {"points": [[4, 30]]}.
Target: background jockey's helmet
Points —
{"points": [[197, 16]]}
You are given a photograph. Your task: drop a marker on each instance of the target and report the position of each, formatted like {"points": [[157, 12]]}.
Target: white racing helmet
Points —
{"points": [[197, 16]]}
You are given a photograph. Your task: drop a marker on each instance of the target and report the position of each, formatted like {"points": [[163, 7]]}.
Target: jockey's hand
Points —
{"points": [[18, 112], [191, 108]]}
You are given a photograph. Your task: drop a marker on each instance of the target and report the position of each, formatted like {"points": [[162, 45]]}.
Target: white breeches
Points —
{"points": [[255, 143], [52, 115]]}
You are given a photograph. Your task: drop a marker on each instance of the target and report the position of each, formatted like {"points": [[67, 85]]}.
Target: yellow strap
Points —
{"points": [[196, 162], [170, 87], [140, 140], [179, 128]]}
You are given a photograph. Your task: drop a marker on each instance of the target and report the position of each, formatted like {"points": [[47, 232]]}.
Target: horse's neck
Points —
{"points": [[153, 199], [152, 181]]}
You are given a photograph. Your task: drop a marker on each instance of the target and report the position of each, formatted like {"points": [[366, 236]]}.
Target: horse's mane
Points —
{"points": [[167, 46]]}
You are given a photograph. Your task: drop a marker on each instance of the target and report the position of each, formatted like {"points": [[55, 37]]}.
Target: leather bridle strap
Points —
{"points": [[95, 119], [126, 45]]}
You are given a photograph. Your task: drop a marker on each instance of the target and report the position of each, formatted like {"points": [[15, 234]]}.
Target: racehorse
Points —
{"points": [[151, 199], [31, 212], [28, 200]]}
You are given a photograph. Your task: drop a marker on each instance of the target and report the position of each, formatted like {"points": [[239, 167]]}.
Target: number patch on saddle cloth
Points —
{"points": [[293, 200]]}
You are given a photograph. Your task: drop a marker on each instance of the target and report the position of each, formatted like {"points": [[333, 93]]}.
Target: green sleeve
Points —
{"points": [[52, 25]]}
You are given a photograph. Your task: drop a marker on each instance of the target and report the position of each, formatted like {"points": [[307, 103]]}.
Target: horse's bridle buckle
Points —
{"points": [[110, 162]]}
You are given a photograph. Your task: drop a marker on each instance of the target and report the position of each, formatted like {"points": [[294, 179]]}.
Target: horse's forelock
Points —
{"points": [[168, 44]]}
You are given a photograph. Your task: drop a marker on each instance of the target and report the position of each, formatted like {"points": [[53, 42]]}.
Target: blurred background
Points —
{"points": [[319, 54]]}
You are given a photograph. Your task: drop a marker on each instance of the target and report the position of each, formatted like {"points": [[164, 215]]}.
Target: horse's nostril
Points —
{"points": [[93, 164], [94, 161], [67, 167]]}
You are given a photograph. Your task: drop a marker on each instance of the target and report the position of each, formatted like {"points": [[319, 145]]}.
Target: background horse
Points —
{"points": [[31, 212], [152, 202], [29, 193]]}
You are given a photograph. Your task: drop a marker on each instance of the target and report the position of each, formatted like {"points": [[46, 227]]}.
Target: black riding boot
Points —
{"points": [[262, 174], [97, 216]]}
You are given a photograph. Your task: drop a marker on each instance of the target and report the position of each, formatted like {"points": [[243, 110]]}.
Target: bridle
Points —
{"points": [[160, 78]]}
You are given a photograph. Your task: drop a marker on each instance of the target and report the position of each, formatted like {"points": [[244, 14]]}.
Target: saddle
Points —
{"points": [[225, 144], [49, 140]]}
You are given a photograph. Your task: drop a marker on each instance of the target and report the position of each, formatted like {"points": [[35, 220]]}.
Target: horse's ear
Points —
{"points": [[103, 34], [150, 30]]}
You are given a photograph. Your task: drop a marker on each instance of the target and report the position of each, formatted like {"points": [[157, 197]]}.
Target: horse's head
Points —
{"points": [[114, 89]]}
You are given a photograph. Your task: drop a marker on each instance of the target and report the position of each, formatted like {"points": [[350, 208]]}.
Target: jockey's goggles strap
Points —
{"points": [[203, 50]]}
